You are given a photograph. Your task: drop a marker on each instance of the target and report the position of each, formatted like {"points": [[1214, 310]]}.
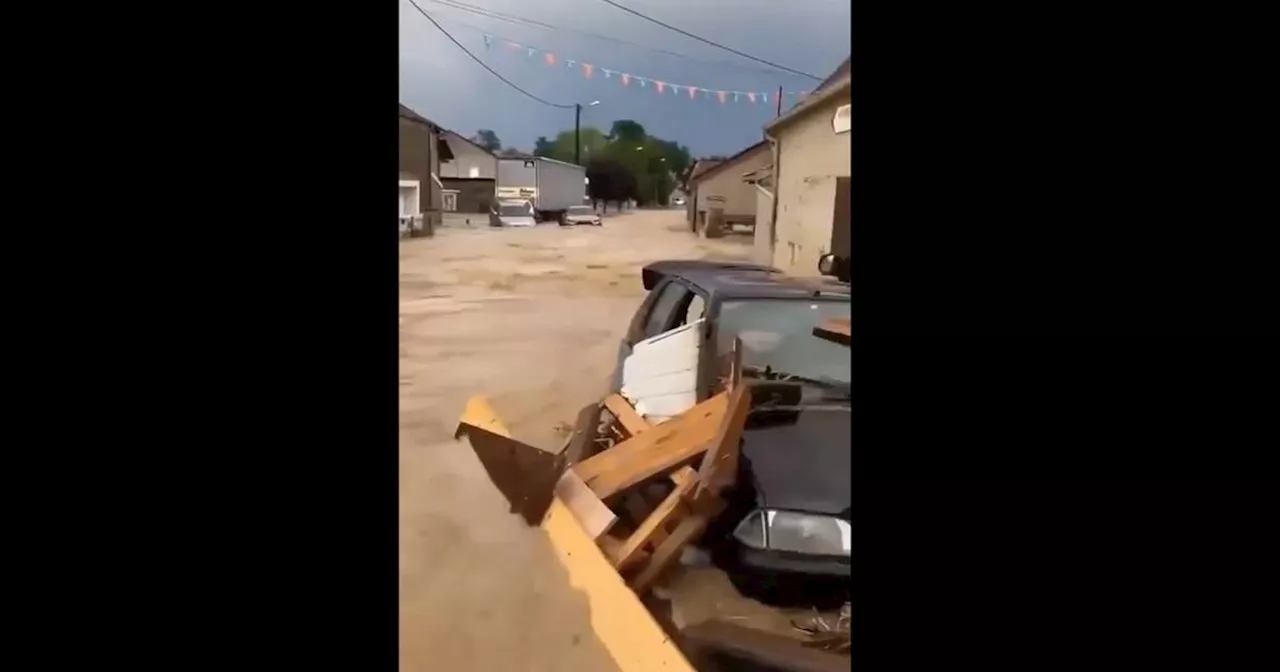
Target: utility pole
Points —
{"points": [[577, 133]]}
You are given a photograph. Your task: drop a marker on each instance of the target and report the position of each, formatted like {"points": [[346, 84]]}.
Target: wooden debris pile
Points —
{"points": [[828, 636], [642, 491], [655, 490]]}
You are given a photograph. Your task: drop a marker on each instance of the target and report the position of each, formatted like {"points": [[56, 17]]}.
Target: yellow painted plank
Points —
{"points": [[479, 413], [620, 621]]}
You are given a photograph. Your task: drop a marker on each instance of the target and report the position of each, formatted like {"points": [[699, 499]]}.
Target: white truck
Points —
{"points": [[551, 186]]}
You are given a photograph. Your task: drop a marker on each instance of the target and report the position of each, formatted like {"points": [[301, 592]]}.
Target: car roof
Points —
{"points": [[732, 280]]}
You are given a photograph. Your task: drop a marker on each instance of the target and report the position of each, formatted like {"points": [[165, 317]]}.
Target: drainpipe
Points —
{"points": [[777, 191]]}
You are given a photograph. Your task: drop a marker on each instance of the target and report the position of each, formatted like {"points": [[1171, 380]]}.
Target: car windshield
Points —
{"points": [[513, 210], [778, 334], [581, 210]]}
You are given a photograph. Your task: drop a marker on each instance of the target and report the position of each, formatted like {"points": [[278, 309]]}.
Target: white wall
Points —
{"points": [[468, 160]]}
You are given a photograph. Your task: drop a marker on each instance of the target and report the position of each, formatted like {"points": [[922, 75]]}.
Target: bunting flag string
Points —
{"points": [[588, 70]]}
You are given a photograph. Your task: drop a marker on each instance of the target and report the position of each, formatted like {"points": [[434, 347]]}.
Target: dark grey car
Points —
{"points": [[788, 520]]}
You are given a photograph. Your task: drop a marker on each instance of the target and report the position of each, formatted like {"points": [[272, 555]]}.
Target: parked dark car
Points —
{"points": [[787, 529]]}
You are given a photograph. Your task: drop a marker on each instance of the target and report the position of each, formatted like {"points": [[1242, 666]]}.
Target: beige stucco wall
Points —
{"points": [[811, 157], [762, 252], [739, 197]]}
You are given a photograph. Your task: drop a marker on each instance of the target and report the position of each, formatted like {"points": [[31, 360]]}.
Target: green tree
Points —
{"points": [[593, 144], [651, 164], [626, 130], [487, 139], [542, 147]]}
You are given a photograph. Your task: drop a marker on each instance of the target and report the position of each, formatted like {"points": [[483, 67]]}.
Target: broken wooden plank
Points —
{"points": [[719, 468], [524, 474], [668, 552], [479, 413], [655, 450], [685, 480], [626, 414], [837, 330], [592, 514]]}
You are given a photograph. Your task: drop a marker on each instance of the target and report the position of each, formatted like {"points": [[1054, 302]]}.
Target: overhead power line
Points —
{"points": [[714, 44], [482, 63], [534, 23]]}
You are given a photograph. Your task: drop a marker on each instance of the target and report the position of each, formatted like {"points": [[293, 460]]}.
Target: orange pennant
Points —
{"points": [[721, 95], [586, 69], [626, 79], [751, 97], [550, 58], [693, 91], [660, 85]]}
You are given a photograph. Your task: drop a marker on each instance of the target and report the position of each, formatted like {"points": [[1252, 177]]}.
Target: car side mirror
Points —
{"points": [[835, 266]]}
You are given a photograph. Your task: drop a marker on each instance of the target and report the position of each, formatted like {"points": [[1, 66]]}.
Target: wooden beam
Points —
{"points": [[664, 446], [668, 509], [592, 514], [625, 629], [669, 550], [626, 414], [719, 468]]}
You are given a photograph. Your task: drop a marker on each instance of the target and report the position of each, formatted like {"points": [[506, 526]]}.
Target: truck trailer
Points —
{"points": [[550, 186]]}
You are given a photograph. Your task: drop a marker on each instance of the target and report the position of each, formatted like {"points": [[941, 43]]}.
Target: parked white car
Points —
{"points": [[581, 214]]}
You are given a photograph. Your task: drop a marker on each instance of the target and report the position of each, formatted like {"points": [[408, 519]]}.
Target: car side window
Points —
{"points": [[672, 294], [696, 310]]}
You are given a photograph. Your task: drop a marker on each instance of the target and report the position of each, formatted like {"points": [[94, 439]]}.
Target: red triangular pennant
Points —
{"points": [[586, 69], [659, 85], [626, 79], [693, 91], [751, 97], [550, 58], [721, 95]]}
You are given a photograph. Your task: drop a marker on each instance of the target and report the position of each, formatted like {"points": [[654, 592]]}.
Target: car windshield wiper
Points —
{"points": [[767, 373]]}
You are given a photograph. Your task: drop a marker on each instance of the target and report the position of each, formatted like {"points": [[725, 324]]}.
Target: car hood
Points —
{"points": [[800, 459], [517, 221]]}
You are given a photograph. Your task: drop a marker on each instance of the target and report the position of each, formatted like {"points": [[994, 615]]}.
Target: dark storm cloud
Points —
{"points": [[442, 83]]}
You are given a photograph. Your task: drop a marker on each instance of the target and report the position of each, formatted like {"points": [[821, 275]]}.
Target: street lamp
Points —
{"points": [[577, 130]]}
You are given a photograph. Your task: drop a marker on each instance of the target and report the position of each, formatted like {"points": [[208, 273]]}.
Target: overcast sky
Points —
{"points": [[445, 85]]}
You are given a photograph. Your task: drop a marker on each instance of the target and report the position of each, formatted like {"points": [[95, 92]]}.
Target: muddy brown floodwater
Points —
{"points": [[532, 318]]}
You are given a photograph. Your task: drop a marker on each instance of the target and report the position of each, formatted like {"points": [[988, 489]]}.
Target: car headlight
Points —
{"points": [[806, 533]]}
